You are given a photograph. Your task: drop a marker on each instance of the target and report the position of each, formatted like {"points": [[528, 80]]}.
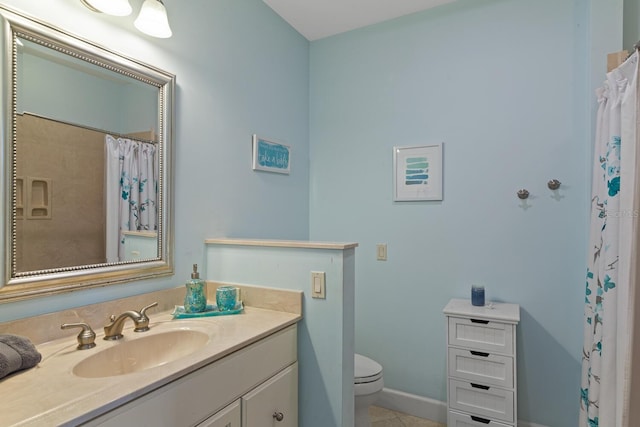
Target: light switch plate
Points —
{"points": [[318, 284], [381, 251]]}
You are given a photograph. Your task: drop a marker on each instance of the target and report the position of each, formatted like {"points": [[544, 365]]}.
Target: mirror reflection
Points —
{"points": [[86, 172], [86, 167]]}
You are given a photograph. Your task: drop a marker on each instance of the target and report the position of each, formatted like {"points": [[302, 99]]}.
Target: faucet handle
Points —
{"points": [[86, 337], [142, 324], [143, 311]]}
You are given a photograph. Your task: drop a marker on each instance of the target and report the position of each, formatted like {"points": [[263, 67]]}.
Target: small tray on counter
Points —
{"points": [[211, 310]]}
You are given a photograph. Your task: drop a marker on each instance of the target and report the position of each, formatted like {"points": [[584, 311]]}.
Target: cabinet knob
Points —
{"points": [[279, 416]]}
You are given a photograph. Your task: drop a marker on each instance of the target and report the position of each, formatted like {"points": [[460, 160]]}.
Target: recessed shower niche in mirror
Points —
{"points": [[87, 163]]}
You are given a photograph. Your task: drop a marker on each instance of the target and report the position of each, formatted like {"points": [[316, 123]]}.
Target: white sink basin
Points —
{"points": [[140, 353]]}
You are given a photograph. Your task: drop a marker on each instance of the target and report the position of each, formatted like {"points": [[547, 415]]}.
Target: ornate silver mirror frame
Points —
{"points": [[18, 284]]}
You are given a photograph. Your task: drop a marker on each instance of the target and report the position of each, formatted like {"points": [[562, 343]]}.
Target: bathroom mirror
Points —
{"points": [[87, 153]]}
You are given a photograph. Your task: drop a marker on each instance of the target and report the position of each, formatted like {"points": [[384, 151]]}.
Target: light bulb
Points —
{"points": [[153, 20]]}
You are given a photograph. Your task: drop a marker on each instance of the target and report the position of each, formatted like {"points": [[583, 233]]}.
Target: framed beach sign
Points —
{"points": [[417, 173], [270, 156]]}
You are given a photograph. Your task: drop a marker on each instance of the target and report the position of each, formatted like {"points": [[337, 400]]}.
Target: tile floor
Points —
{"points": [[381, 417]]}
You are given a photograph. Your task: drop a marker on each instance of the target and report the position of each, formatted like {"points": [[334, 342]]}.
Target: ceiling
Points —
{"points": [[316, 19]]}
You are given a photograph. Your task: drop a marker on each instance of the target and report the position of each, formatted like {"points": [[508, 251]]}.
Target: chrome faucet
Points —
{"points": [[113, 331]]}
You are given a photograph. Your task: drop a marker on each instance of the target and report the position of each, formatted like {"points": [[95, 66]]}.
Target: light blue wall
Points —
{"points": [[325, 334], [61, 92], [631, 23], [240, 70], [505, 85]]}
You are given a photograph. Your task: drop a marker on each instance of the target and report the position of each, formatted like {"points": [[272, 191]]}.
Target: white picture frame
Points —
{"points": [[417, 173], [270, 156]]}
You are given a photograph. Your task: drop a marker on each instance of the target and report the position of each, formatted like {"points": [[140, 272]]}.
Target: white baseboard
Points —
{"points": [[413, 404], [422, 407]]}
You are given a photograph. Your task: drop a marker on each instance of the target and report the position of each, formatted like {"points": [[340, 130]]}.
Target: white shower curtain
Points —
{"points": [[610, 276], [131, 190]]}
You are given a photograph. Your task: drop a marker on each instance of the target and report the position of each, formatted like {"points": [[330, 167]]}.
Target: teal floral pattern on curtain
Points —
{"points": [[601, 277], [132, 175], [599, 355], [605, 392], [138, 188]]}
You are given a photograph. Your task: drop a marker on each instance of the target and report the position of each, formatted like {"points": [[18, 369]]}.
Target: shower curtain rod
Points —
{"points": [[119, 135]]}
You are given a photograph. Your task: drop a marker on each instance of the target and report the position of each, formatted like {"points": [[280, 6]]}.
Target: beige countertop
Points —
{"points": [[50, 394]]}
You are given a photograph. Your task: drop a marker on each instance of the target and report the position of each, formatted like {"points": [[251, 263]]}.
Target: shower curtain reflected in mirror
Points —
{"points": [[131, 181], [611, 270]]}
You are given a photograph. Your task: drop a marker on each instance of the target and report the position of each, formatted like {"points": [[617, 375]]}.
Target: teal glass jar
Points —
{"points": [[226, 298]]}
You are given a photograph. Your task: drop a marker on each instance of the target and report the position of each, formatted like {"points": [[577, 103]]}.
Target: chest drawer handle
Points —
{"points": [[479, 353], [484, 322], [483, 387], [480, 420]]}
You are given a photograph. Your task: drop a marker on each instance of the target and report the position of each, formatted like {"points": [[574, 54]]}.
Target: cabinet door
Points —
{"points": [[274, 403], [227, 417]]}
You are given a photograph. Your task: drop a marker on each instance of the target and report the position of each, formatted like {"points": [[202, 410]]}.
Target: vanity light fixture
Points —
{"points": [[110, 7], [153, 20]]}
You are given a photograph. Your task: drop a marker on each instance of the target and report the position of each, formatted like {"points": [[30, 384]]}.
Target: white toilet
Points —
{"points": [[368, 383]]}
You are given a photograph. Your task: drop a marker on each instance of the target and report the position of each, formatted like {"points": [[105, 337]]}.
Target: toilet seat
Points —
{"points": [[366, 370], [368, 384]]}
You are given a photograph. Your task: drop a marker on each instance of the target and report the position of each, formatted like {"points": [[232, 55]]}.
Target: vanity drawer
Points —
{"points": [[228, 417], [481, 367], [481, 334], [481, 400], [457, 419]]}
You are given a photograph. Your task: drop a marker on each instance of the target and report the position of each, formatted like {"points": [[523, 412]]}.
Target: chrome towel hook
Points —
{"points": [[554, 184]]}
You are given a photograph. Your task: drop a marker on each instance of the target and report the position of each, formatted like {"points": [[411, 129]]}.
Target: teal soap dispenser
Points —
{"points": [[195, 301]]}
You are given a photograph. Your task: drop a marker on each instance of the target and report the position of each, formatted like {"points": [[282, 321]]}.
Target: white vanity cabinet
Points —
{"points": [[481, 364], [245, 388], [273, 403], [228, 417]]}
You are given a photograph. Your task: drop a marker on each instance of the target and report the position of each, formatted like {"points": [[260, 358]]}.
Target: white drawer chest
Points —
{"points": [[481, 364]]}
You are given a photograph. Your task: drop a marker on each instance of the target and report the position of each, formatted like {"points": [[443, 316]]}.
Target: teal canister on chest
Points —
{"points": [[195, 300]]}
